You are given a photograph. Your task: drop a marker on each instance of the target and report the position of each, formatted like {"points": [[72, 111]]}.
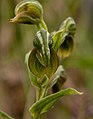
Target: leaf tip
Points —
{"points": [[74, 91]]}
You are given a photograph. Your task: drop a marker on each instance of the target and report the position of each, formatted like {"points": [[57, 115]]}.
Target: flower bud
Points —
{"points": [[28, 12], [43, 42], [63, 38], [66, 47], [59, 79], [69, 26]]}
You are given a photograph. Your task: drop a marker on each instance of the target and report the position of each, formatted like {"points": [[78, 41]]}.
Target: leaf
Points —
{"points": [[3, 115], [38, 69], [48, 102]]}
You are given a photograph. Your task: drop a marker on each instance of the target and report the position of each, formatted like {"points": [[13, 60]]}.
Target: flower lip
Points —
{"points": [[25, 19]]}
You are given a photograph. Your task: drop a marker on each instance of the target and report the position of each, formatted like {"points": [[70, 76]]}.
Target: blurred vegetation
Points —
{"points": [[16, 93]]}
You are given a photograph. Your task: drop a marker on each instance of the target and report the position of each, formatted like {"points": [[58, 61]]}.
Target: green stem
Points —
{"points": [[44, 25], [41, 92], [41, 25]]}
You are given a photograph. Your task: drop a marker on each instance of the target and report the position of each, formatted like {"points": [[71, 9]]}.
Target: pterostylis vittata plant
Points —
{"points": [[43, 60]]}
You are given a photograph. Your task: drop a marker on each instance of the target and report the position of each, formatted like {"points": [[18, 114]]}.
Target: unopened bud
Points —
{"points": [[28, 12]]}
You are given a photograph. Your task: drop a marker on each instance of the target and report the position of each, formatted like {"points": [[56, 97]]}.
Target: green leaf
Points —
{"points": [[48, 102], [38, 69], [3, 115]]}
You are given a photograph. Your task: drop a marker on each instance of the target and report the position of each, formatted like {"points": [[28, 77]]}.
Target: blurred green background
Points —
{"points": [[16, 92]]}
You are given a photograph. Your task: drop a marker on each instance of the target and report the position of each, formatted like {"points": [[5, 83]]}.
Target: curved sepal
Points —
{"points": [[32, 77]]}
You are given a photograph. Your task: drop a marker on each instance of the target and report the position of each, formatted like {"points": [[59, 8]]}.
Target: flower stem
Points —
{"points": [[41, 25], [41, 92]]}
